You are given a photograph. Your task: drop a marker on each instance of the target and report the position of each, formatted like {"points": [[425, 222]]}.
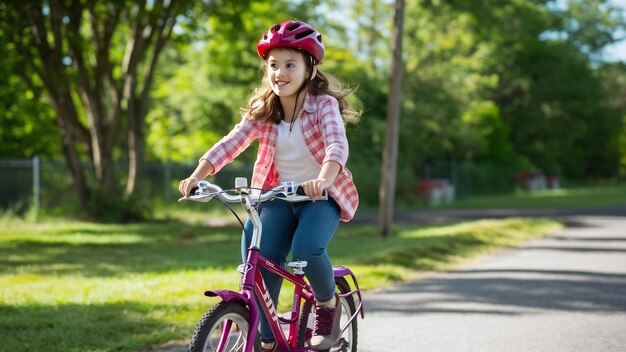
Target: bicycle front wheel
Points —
{"points": [[348, 340], [223, 328]]}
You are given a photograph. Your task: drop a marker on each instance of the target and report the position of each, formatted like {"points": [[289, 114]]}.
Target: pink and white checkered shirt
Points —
{"points": [[325, 138]]}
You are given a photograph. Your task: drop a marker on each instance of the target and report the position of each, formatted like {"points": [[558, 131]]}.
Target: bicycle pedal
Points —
{"points": [[343, 345], [298, 266]]}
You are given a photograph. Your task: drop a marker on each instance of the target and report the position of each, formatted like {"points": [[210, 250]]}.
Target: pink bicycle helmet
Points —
{"points": [[292, 34]]}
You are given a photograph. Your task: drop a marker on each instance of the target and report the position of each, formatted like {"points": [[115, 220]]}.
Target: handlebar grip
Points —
{"points": [[300, 192]]}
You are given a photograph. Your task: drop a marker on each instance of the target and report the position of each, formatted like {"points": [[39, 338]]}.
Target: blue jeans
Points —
{"points": [[304, 228]]}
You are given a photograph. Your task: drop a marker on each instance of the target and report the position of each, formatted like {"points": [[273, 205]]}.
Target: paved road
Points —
{"points": [[562, 293]]}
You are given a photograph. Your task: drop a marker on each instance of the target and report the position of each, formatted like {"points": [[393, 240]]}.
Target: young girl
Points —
{"points": [[299, 122]]}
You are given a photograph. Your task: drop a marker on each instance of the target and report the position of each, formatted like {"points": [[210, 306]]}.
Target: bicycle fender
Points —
{"points": [[227, 295], [341, 271]]}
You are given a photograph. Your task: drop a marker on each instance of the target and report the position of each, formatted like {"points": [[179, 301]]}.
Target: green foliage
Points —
{"points": [[491, 87], [27, 126], [485, 92], [563, 91], [613, 78], [190, 115], [448, 113]]}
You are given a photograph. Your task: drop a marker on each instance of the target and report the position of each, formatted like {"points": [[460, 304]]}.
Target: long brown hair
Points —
{"points": [[265, 105]]}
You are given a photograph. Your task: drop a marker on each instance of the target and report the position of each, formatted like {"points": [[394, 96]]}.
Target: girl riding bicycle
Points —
{"points": [[299, 120]]}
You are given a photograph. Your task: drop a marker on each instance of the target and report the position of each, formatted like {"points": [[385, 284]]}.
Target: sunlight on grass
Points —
{"points": [[512, 226], [184, 287], [76, 238], [583, 191]]}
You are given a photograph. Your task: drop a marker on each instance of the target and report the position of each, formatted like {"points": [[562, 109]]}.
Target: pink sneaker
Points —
{"points": [[327, 327]]}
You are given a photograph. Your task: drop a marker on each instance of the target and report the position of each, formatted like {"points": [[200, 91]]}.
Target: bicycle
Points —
{"points": [[231, 325]]}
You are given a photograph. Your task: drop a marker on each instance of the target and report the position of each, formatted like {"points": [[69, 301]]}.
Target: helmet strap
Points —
{"points": [[313, 72]]}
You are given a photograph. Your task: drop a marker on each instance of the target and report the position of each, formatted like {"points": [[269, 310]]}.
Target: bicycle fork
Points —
{"points": [[245, 296]]}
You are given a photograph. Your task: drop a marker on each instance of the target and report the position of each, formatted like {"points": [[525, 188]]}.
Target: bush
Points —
{"points": [[116, 208]]}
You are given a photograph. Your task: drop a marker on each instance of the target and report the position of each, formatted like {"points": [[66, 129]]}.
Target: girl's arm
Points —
{"points": [[334, 133], [222, 153]]}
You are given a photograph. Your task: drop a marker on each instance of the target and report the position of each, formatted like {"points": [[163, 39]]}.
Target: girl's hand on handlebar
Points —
{"points": [[185, 186], [314, 188]]}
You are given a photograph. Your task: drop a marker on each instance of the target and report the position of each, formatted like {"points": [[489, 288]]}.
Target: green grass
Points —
{"points": [[92, 287], [570, 198]]}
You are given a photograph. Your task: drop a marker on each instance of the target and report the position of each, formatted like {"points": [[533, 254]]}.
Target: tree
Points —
{"points": [[517, 69], [546, 78], [96, 61]]}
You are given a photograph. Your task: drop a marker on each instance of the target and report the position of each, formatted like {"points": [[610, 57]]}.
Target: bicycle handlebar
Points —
{"points": [[289, 191]]}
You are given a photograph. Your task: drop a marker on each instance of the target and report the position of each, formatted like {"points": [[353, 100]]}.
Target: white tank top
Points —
{"points": [[292, 159]]}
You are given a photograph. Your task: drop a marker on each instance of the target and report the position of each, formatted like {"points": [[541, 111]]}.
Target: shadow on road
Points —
{"points": [[515, 291]]}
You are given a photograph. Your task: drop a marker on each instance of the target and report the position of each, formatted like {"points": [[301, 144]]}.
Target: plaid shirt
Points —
{"points": [[324, 136]]}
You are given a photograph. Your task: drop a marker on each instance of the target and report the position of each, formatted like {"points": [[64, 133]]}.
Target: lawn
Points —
{"points": [[76, 286], [578, 197]]}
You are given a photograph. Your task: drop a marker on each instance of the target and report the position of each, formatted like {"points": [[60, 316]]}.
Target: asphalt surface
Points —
{"points": [[563, 293], [566, 292]]}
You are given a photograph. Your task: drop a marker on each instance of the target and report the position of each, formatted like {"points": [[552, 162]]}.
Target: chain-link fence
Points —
{"points": [[45, 184], [20, 183]]}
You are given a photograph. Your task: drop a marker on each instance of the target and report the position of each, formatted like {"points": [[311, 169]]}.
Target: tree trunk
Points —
{"points": [[73, 163], [135, 140], [138, 100]]}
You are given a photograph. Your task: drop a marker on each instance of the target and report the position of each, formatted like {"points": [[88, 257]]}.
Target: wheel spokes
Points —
{"points": [[228, 336]]}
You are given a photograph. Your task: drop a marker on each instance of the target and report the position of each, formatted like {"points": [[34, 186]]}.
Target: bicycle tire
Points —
{"points": [[348, 309], [207, 334]]}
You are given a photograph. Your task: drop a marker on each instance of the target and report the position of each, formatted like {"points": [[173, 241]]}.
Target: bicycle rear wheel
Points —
{"points": [[348, 308], [226, 324]]}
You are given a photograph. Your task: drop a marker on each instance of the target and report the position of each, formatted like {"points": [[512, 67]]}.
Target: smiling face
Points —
{"points": [[286, 71]]}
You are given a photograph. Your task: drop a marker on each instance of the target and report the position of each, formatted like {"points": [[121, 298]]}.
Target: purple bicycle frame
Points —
{"points": [[255, 282], [301, 290]]}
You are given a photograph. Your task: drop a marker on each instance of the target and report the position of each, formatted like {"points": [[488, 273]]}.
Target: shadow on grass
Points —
{"points": [[124, 326], [110, 250]]}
